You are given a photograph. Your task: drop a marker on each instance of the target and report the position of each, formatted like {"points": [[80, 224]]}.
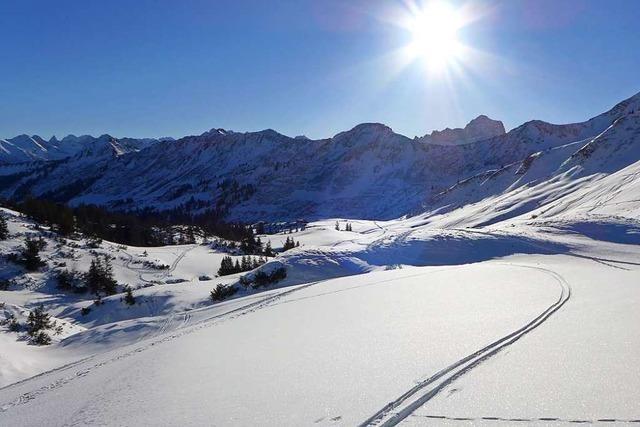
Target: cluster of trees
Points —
{"points": [[227, 266], [144, 227], [37, 325], [262, 278], [98, 280], [29, 255], [290, 244], [347, 227], [221, 292], [253, 245]]}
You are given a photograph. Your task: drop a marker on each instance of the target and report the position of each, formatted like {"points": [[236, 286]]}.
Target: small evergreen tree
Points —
{"points": [[99, 278], [4, 229], [268, 251], [31, 253], [129, 299], [226, 266], [337, 226], [38, 320], [41, 338], [14, 325]]}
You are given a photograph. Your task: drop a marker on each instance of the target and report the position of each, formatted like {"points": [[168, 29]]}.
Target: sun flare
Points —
{"points": [[434, 35]]}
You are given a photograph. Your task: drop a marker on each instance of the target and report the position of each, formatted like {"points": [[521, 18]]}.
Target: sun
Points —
{"points": [[434, 35]]}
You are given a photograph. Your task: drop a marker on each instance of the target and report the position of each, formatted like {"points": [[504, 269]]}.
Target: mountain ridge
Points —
{"points": [[368, 171]]}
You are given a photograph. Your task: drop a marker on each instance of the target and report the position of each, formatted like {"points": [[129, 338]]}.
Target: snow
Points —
{"points": [[332, 346], [509, 298]]}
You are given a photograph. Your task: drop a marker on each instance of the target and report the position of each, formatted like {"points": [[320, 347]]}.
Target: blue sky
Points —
{"points": [[172, 68]]}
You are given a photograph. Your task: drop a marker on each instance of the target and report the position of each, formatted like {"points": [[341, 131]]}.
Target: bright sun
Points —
{"points": [[434, 29]]}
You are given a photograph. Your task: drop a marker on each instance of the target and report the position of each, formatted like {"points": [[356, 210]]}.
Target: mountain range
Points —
{"points": [[367, 172]]}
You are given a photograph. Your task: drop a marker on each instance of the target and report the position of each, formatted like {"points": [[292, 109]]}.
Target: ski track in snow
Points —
{"points": [[494, 420], [60, 382], [402, 407], [171, 269]]}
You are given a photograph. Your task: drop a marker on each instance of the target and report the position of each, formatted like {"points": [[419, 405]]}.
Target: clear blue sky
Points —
{"points": [[155, 68]]}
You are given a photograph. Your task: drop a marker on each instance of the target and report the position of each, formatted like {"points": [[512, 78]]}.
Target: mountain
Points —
{"points": [[482, 127], [366, 172], [25, 148]]}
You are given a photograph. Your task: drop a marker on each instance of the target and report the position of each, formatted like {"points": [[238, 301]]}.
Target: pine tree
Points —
{"points": [[268, 251], [31, 253], [99, 278], [92, 277], [290, 243], [38, 320], [4, 229], [337, 226], [109, 285], [129, 299], [226, 266]]}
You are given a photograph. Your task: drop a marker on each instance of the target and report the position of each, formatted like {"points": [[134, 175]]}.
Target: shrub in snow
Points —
{"points": [[94, 242], [85, 310], [29, 256], [221, 292], [262, 278], [70, 281], [41, 338], [14, 325]]}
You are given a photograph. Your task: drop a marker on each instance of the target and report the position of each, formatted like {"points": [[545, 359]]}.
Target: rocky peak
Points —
{"points": [[482, 127]]}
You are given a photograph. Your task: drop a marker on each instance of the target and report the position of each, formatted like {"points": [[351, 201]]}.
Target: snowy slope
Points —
{"points": [[440, 340]]}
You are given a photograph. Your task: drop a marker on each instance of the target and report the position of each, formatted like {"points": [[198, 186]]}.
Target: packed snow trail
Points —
{"points": [[399, 409], [512, 420], [240, 311]]}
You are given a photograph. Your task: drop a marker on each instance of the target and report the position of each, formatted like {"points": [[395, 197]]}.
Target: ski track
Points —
{"points": [[60, 382], [528, 420], [402, 407]]}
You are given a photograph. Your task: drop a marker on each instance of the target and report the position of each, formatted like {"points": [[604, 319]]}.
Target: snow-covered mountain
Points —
{"points": [[482, 127], [25, 148], [366, 172]]}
